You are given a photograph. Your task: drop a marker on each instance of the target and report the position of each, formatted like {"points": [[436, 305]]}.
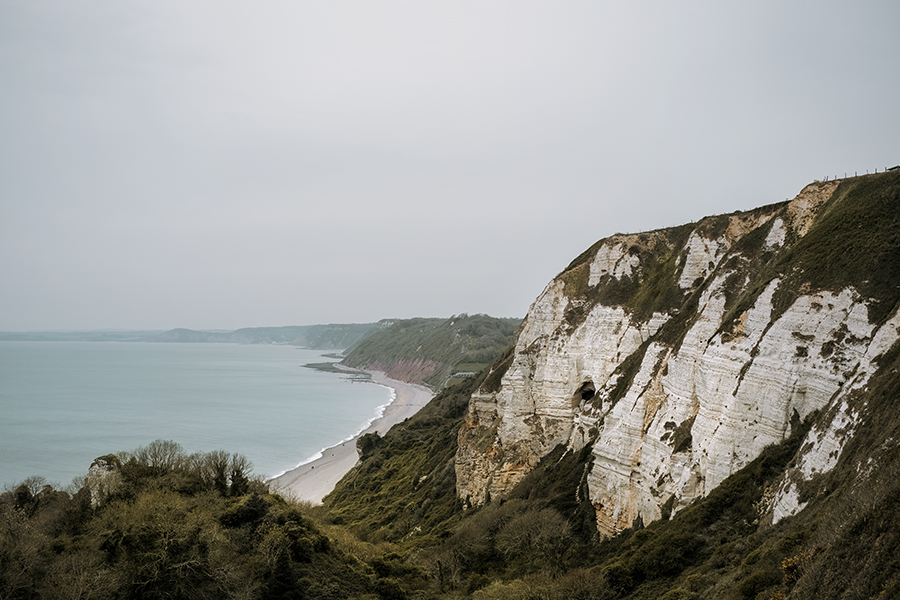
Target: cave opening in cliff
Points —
{"points": [[585, 392]]}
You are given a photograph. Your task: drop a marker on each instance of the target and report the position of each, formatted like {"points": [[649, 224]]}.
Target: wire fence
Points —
{"points": [[857, 174]]}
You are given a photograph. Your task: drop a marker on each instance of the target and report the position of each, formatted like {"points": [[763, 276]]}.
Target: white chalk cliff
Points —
{"points": [[679, 354]]}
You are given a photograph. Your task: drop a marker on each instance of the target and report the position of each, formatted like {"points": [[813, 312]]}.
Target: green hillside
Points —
{"points": [[432, 350]]}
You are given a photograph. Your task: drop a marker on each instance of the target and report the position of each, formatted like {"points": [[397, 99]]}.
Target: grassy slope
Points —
{"points": [[407, 479], [430, 350]]}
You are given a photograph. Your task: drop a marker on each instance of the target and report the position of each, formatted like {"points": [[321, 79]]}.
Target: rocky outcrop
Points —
{"points": [[679, 354], [103, 478]]}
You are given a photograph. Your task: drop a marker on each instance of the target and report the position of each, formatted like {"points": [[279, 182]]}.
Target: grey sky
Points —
{"points": [[224, 164]]}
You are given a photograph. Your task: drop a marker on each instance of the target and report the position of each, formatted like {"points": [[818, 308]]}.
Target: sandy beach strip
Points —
{"points": [[314, 480]]}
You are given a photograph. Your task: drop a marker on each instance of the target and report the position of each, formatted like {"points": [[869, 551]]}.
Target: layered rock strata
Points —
{"points": [[679, 354]]}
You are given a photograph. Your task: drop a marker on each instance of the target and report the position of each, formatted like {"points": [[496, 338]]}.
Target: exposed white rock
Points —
{"points": [[777, 234], [702, 257], [741, 389], [615, 260], [704, 253], [102, 479], [671, 417], [535, 409], [822, 447], [802, 210]]}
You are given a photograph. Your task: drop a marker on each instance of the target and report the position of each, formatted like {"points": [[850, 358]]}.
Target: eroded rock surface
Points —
{"points": [[678, 355]]}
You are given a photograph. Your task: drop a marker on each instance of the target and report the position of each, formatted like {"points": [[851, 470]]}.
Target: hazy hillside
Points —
{"points": [[433, 350], [317, 337], [111, 335]]}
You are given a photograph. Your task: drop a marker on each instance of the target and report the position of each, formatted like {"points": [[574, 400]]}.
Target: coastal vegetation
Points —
{"points": [[164, 524], [158, 523], [853, 244], [437, 352]]}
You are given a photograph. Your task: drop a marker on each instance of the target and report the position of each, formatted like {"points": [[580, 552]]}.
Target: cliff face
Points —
{"points": [[679, 354]]}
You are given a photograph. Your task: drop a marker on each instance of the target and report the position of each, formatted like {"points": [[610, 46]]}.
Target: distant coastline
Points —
{"points": [[100, 335], [338, 336]]}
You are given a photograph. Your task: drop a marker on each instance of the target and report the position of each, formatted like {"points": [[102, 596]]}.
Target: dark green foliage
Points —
{"points": [[682, 439], [367, 444], [431, 350], [625, 373], [405, 485], [758, 581], [557, 482], [247, 513], [167, 530], [855, 241], [666, 508], [748, 256], [658, 290]]}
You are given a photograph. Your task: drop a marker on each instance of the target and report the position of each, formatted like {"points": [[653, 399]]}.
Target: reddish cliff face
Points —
{"points": [[679, 354], [411, 371]]}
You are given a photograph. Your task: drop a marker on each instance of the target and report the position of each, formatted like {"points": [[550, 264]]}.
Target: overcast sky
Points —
{"points": [[226, 164]]}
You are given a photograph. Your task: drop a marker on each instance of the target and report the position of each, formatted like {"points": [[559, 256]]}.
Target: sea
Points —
{"points": [[63, 404]]}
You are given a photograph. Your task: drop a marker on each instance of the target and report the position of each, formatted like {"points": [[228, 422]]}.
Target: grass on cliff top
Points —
{"points": [[854, 242]]}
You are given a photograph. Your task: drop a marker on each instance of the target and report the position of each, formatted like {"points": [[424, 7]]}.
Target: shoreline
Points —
{"points": [[313, 480]]}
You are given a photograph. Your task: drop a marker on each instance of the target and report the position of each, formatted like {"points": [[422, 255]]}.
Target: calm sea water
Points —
{"points": [[62, 404]]}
